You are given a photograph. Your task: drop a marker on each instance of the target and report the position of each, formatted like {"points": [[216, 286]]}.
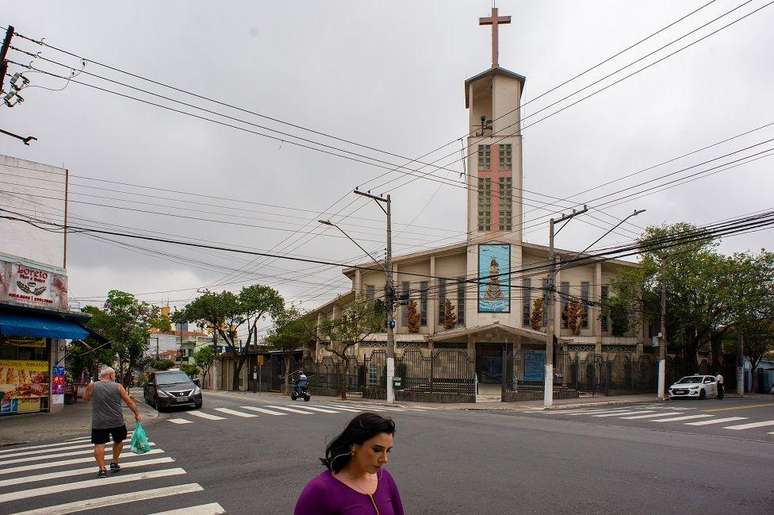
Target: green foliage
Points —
{"points": [[204, 357], [162, 364], [189, 369], [126, 322]]}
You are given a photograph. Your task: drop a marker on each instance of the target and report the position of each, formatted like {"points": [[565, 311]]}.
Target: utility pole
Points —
{"points": [[548, 379], [3, 52], [740, 366], [390, 296], [662, 348]]}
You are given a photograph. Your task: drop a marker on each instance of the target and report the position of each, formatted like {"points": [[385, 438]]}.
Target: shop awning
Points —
{"points": [[41, 326]]}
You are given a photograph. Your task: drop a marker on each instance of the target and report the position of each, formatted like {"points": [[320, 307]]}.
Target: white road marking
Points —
{"points": [[262, 410], [45, 446], [342, 409], [23, 468], [637, 417], [321, 410], [179, 421], [112, 500], [715, 421], [678, 419], [229, 411], [202, 414], [751, 425], [77, 472], [44, 451], [203, 509], [291, 410], [618, 414], [111, 480], [597, 412], [56, 455]]}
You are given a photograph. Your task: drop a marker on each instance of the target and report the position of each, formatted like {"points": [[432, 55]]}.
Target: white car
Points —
{"points": [[694, 387]]}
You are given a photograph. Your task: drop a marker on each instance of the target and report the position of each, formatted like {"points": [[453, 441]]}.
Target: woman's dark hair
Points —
{"points": [[361, 428]]}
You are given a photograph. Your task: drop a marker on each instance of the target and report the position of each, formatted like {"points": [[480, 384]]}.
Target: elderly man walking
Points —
{"points": [[107, 421]]}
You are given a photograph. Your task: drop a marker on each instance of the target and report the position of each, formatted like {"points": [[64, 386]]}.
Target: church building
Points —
{"points": [[505, 308]]}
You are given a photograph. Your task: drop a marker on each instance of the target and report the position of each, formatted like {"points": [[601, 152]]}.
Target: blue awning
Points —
{"points": [[40, 326]]}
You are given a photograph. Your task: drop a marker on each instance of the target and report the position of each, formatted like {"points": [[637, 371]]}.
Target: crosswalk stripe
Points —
{"points": [[112, 480], [618, 414], [75, 461], [715, 421], [235, 412], [112, 500], [203, 509], [179, 421], [78, 472], [39, 457], [679, 419], [263, 410], [596, 412], [44, 451], [637, 417], [751, 425], [208, 416], [321, 410], [291, 410], [342, 409], [44, 446], [358, 409]]}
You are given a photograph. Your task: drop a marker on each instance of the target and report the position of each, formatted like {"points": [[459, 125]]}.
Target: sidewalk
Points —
{"points": [[73, 420]]}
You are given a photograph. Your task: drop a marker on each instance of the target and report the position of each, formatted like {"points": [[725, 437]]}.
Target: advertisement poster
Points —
{"points": [[23, 379], [58, 385], [494, 265], [32, 286], [534, 365]]}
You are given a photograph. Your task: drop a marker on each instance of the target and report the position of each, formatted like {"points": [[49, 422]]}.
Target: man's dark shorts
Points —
{"points": [[102, 436]]}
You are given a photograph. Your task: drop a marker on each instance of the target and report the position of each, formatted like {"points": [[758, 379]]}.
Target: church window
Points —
{"points": [[585, 303], [423, 303], [460, 301], [506, 157], [565, 289], [505, 205], [603, 318], [526, 300], [484, 157], [405, 290], [370, 292], [484, 204], [441, 301]]}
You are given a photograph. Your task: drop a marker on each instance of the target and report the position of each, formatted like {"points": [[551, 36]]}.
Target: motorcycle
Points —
{"points": [[300, 389]]}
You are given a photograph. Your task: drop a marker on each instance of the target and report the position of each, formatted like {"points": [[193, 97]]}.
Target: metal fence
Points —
{"points": [[444, 371]]}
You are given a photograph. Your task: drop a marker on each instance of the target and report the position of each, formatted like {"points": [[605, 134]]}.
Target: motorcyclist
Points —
{"points": [[302, 381]]}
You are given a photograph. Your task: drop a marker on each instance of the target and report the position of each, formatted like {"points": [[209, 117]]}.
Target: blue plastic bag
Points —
{"points": [[140, 443]]}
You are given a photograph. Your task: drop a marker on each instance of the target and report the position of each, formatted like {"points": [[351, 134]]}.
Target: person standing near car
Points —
{"points": [[721, 388], [107, 420]]}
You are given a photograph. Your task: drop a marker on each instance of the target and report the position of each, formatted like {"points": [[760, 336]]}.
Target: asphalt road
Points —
{"points": [[445, 462]]}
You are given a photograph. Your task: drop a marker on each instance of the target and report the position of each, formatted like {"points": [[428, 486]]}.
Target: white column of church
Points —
{"points": [[598, 309]]}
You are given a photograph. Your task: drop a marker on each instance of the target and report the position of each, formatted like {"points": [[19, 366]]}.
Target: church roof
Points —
{"points": [[491, 72]]}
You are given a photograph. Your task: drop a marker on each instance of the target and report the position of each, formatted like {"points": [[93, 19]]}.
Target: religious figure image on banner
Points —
{"points": [[494, 292]]}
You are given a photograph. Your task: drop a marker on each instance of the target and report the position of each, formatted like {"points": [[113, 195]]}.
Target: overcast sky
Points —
{"points": [[389, 75]]}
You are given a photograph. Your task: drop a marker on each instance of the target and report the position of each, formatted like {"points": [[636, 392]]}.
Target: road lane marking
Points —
{"points": [[203, 509], [229, 411], [715, 421], [44, 451], [111, 480], [352, 410], [39, 457], [112, 500], [124, 455], [46, 446], [291, 410], [751, 425], [623, 413], [78, 472], [321, 410], [595, 412], [263, 410], [201, 414], [179, 421], [740, 407], [645, 416], [678, 419]]}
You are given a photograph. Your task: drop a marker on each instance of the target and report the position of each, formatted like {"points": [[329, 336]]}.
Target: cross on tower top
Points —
{"points": [[494, 21]]}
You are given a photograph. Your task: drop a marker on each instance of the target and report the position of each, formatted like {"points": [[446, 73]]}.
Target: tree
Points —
{"points": [[536, 317], [204, 358], [162, 364], [358, 321], [413, 316], [189, 369], [226, 312], [292, 330], [126, 322], [449, 317]]}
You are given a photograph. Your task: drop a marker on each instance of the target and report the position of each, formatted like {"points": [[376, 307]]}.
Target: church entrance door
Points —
{"points": [[489, 363]]}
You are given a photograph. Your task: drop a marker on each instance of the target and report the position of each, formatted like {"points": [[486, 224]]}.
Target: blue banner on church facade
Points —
{"points": [[494, 266], [534, 365]]}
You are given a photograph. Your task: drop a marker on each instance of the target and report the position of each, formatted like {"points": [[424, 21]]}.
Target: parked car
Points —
{"points": [[694, 387], [169, 388]]}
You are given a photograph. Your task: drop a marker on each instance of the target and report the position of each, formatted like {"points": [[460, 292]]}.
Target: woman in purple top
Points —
{"points": [[355, 481]]}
